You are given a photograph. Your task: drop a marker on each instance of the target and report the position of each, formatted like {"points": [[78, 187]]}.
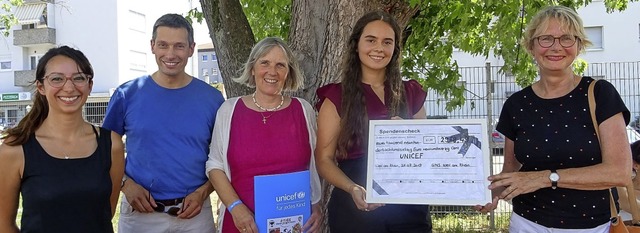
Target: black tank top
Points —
{"points": [[66, 195]]}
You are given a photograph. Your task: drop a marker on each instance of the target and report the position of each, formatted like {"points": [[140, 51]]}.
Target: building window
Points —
{"points": [[137, 21], [138, 60], [595, 35], [5, 65], [214, 71], [214, 57], [205, 72], [33, 61], [204, 58]]}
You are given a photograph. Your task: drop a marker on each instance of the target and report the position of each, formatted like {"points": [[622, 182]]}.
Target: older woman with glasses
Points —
{"points": [[556, 170], [263, 133], [66, 169]]}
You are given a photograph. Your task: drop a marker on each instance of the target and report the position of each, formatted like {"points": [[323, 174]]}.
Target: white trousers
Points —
{"points": [[135, 222], [518, 224]]}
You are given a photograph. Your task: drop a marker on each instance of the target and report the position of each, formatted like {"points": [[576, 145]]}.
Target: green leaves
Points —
{"points": [[479, 27], [196, 14], [268, 18], [7, 19]]}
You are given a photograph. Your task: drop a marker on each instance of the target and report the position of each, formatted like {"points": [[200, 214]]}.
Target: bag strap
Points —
{"points": [[635, 212]]}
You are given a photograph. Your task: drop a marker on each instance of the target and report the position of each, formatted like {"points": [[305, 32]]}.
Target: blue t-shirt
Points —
{"points": [[168, 132]]}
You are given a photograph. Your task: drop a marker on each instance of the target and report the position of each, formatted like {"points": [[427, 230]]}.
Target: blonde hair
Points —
{"points": [[295, 79], [568, 19]]}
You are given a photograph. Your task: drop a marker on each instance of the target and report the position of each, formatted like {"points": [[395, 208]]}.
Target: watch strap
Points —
{"points": [[554, 183]]}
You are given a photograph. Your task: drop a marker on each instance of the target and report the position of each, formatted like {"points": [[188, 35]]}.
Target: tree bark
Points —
{"points": [[232, 40]]}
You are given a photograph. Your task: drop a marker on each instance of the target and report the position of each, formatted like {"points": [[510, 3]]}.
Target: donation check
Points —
{"points": [[437, 162]]}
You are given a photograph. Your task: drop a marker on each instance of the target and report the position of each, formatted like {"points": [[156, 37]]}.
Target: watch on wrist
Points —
{"points": [[554, 177]]}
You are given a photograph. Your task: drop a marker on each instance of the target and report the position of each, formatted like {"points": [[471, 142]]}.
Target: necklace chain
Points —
{"points": [[264, 118], [253, 96], [273, 110]]}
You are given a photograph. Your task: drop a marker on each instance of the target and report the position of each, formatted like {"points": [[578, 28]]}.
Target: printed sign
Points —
{"points": [[438, 162]]}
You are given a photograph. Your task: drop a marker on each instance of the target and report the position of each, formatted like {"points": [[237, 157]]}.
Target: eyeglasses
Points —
{"points": [[566, 41], [160, 207], [58, 79]]}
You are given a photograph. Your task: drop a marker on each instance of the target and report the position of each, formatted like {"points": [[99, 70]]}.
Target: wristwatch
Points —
{"points": [[554, 177]]}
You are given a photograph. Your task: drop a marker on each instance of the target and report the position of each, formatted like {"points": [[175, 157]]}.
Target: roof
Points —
{"points": [[30, 13], [205, 46]]}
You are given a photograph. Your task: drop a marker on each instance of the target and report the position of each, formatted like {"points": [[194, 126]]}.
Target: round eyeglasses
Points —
{"points": [[566, 41], [58, 79]]}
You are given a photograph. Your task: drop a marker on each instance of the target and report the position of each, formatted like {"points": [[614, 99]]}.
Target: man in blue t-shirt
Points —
{"points": [[168, 119]]}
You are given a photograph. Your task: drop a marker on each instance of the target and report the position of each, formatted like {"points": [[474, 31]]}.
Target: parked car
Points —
{"points": [[497, 138]]}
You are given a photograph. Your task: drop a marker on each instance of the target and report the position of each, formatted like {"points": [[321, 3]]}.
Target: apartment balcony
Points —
{"points": [[34, 36], [23, 78]]}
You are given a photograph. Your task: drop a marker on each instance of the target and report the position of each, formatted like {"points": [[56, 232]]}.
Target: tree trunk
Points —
{"points": [[232, 40]]}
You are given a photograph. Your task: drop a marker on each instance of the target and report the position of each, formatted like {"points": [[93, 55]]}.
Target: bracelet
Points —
{"points": [[234, 204]]}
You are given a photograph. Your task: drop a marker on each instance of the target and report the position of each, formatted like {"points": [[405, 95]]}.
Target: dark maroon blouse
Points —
{"points": [[376, 110]]}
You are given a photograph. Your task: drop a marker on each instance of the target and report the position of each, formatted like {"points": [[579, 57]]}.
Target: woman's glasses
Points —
{"points": [[58, 80], [566, 41]]}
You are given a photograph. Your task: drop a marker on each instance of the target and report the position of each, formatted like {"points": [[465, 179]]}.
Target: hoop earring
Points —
{"points": [[634, 173]]}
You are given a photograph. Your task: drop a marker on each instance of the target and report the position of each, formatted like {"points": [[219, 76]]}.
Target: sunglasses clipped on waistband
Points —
{"points": [[161, 205], [173, 211]]}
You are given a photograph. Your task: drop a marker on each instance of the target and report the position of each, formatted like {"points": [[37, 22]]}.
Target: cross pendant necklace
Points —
{"points": [[264, 118]]}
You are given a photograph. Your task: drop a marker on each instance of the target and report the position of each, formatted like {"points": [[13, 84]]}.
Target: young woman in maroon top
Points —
{"points": [[372, 89]]}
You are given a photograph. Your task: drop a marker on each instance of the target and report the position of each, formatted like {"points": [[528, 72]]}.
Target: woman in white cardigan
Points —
{"points": [[263, 133]]}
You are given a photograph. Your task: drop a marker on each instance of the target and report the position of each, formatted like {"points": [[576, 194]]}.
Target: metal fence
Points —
{"points": [[487, 89]]}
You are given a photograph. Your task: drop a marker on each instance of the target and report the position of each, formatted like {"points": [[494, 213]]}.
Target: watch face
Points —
{"points": [[554, 177]]}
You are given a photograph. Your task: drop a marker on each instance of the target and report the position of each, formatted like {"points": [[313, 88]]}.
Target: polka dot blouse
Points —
{"points": [[555, 134]]}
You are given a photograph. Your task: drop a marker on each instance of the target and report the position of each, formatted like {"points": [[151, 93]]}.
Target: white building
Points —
{"points": [[614, 56], [615, 37], [115, 35]]}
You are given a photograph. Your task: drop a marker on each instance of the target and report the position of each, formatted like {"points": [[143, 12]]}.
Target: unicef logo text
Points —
{"points": [[291, 197]]}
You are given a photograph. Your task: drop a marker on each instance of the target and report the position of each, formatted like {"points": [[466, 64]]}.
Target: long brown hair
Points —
{"points": [[33, 119], [354, 121]]}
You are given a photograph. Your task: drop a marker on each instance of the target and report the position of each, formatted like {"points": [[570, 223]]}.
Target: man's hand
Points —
{"points": [[192, 204], [138, 197]]}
